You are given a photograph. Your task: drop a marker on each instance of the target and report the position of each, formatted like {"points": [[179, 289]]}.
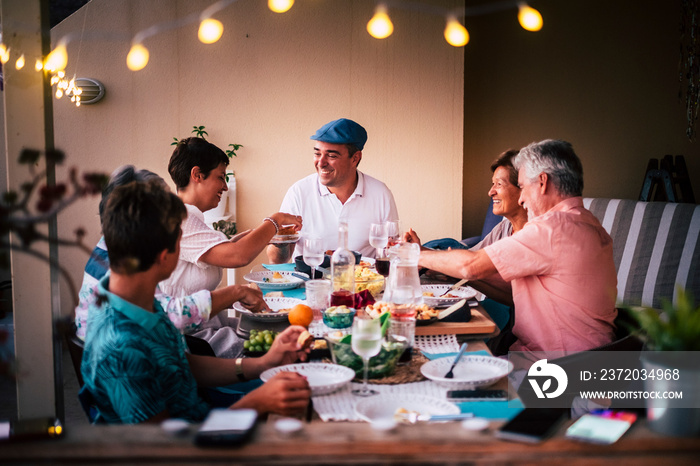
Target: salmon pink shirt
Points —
{"points": [[561, 268]]}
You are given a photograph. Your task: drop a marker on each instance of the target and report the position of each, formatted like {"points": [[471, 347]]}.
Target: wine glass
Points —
{"points": [[378, 237], [366, 342], [393, 231], [313, 254]]}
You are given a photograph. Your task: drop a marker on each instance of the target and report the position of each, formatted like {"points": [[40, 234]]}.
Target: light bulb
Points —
{"points": [[38, 65], [59, 93], [19, 64], [280, 6], [4, 54], [529, 18], [137, 58], [57, 59], [456, 34], [210, 31], [380, 26]]}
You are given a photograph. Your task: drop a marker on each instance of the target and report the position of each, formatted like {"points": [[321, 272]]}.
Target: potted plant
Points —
{"points": [[223, 216], [671, 337]]}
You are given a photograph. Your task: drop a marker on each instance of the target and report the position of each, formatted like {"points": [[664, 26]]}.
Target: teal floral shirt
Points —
{"points": [[134, 363]]}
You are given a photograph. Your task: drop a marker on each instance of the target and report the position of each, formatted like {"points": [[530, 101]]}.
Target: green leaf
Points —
{"points": [[175, 142], [29, 156]]}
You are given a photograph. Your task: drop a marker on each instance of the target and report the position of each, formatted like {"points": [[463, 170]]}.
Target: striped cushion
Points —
{"points": [[655, 245]]}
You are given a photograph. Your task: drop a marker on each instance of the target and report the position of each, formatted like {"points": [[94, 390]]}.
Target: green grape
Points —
{"points": [[268, 340], [267, 347], [258, 348], [246, 344]]}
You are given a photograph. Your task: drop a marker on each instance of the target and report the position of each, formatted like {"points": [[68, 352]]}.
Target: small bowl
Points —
{"points": [[381, 365], [336, 319]]}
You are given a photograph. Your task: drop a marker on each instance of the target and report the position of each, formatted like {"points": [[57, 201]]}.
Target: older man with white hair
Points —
{"points": [[560, 264]]}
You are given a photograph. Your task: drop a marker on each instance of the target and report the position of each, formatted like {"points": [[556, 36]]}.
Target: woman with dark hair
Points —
{"points": [[187, 312], [198, 169]]}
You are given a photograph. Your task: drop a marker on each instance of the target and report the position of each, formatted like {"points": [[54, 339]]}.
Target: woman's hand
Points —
{"points": [[287, 393], [285, 349], [283, 219], [252, 298]]}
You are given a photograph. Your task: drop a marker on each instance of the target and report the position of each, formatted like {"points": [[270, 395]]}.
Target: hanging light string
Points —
{"points": [[210, 31]]}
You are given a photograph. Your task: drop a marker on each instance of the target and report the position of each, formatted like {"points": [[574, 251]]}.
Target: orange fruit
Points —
{"points": [[301, 314]]}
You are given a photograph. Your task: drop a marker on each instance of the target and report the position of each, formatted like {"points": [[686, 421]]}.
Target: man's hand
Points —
{"points": [[411, 237], [285, 349], [287, 393]]}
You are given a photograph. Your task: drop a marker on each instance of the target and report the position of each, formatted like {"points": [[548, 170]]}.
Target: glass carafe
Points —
{"points": [[404, 271]]}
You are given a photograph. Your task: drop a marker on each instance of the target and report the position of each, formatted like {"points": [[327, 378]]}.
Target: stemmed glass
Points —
{"points": [[366, 342], [393, 231], [378, 237], [313, 253]]}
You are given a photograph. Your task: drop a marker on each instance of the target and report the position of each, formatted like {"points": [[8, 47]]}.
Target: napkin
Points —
{"points": [[492, 409], [289, 267], [299, 293]]}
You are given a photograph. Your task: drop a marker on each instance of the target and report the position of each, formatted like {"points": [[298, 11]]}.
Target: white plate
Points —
{"points": [[275, 305], [470, 373], [323, 378], [285, 239], [463, 292], [384, 406], [265, 281]]}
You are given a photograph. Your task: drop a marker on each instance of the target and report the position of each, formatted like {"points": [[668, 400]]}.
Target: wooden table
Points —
{"points": [[348, 443], [479, 326]]}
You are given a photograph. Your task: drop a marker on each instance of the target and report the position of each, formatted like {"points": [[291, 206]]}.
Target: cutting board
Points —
{"points": [[480, 323]]}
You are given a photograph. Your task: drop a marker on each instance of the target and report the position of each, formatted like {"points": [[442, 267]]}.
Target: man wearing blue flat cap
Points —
{"points": [[337, 191]]}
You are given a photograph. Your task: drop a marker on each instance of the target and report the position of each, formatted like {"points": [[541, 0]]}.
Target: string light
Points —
{"points": [[38, 65], [280, 6], [529, 18], [380, 26], [4, 54], [456, 34], [19, 64], [137, 58], [57, 59], [210, 30]]}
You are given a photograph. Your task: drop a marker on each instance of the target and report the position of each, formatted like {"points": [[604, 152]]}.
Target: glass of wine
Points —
{"points": [[366, 342], [313, 254]]}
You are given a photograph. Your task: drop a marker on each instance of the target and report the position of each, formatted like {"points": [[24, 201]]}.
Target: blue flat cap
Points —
{"points": [[342, 131]]}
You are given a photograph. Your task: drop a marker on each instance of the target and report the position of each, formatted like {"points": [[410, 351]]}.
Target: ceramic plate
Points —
{"points": [[266, 281], [385, 406], [470, 373], [463, 292], [275, 304], [323, 378], [285, 239]]}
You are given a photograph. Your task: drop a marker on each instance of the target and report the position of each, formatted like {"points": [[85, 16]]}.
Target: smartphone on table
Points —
{"points": [[531, 425], [226, 427], [604, 427]]}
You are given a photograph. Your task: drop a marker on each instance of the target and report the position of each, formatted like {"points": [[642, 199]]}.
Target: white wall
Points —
{"points": [[268, 84]]}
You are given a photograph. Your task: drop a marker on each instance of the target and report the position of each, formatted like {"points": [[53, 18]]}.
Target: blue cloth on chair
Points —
{"points": [[499, 313], [444, 243]]}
